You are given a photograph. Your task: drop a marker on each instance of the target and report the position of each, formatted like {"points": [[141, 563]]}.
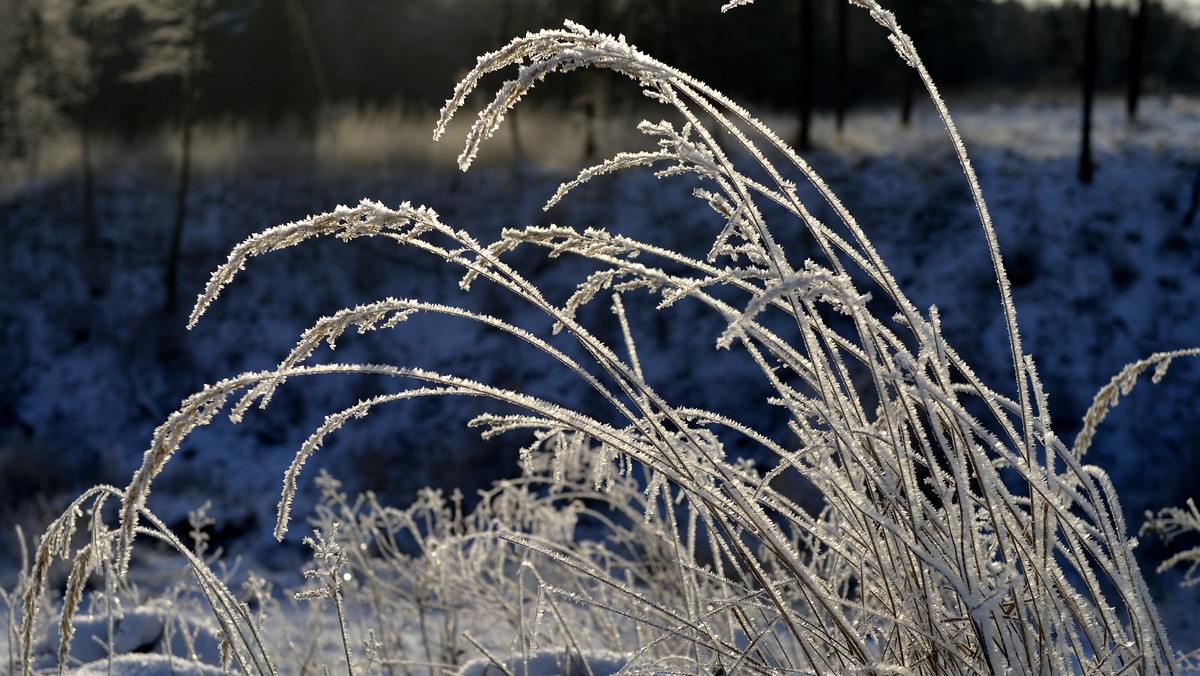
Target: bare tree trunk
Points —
{"points": [[807, 54], [175, 249], [93, 30], [592, 98], [505, 26], [191, 96], [1086, 165], [908, 97], [1137, 48], [95, 265], [35, 47], [91, 233], [843, 64], [301, 29], [304, 54]]}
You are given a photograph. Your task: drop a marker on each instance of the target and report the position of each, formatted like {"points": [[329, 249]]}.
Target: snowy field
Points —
{"points": [[90, 363]]}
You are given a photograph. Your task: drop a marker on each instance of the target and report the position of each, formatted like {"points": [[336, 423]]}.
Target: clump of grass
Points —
{"points": [[957, 533], [241, 641]]}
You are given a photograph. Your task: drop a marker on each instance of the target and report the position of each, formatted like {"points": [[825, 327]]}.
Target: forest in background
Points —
{"points": [[128, 67]]}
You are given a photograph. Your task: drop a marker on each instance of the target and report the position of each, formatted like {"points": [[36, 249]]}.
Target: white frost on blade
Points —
{"points": [[733, 4]]}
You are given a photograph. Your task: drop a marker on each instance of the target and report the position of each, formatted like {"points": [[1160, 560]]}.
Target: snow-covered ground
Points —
{"points": [[90, 363]]}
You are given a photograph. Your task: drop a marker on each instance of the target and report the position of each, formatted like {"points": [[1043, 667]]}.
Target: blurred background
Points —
{"points": [[117, 72], [140, 140]]}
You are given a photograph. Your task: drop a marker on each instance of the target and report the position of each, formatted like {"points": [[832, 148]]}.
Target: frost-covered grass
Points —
{"points": [[863, 500]]}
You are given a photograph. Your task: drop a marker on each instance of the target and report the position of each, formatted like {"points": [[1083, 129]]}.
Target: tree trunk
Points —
{"points": [[506, 28], [95, 265], [89, 85], [91, 29], [1137, 48], [91, 232], [310, 72], [843, 64], [807, 53], [593, 96], [187, 123], [911, 79], [175, 249], [35, 49], [1086, 165]]}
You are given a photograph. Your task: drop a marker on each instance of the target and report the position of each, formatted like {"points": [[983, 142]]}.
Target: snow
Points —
{"points": [[147, 665], [548, 663], [1104, 274], [148, 639]]}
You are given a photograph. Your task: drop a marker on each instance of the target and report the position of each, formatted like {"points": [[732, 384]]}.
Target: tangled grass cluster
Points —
{"points": [[956, 533]]}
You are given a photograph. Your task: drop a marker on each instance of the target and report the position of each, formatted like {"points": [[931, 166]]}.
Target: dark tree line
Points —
{"points": [[67, 64], [269, 59]]}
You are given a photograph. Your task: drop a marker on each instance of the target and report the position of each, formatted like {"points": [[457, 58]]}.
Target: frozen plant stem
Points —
{"points": [[331, 564]]}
